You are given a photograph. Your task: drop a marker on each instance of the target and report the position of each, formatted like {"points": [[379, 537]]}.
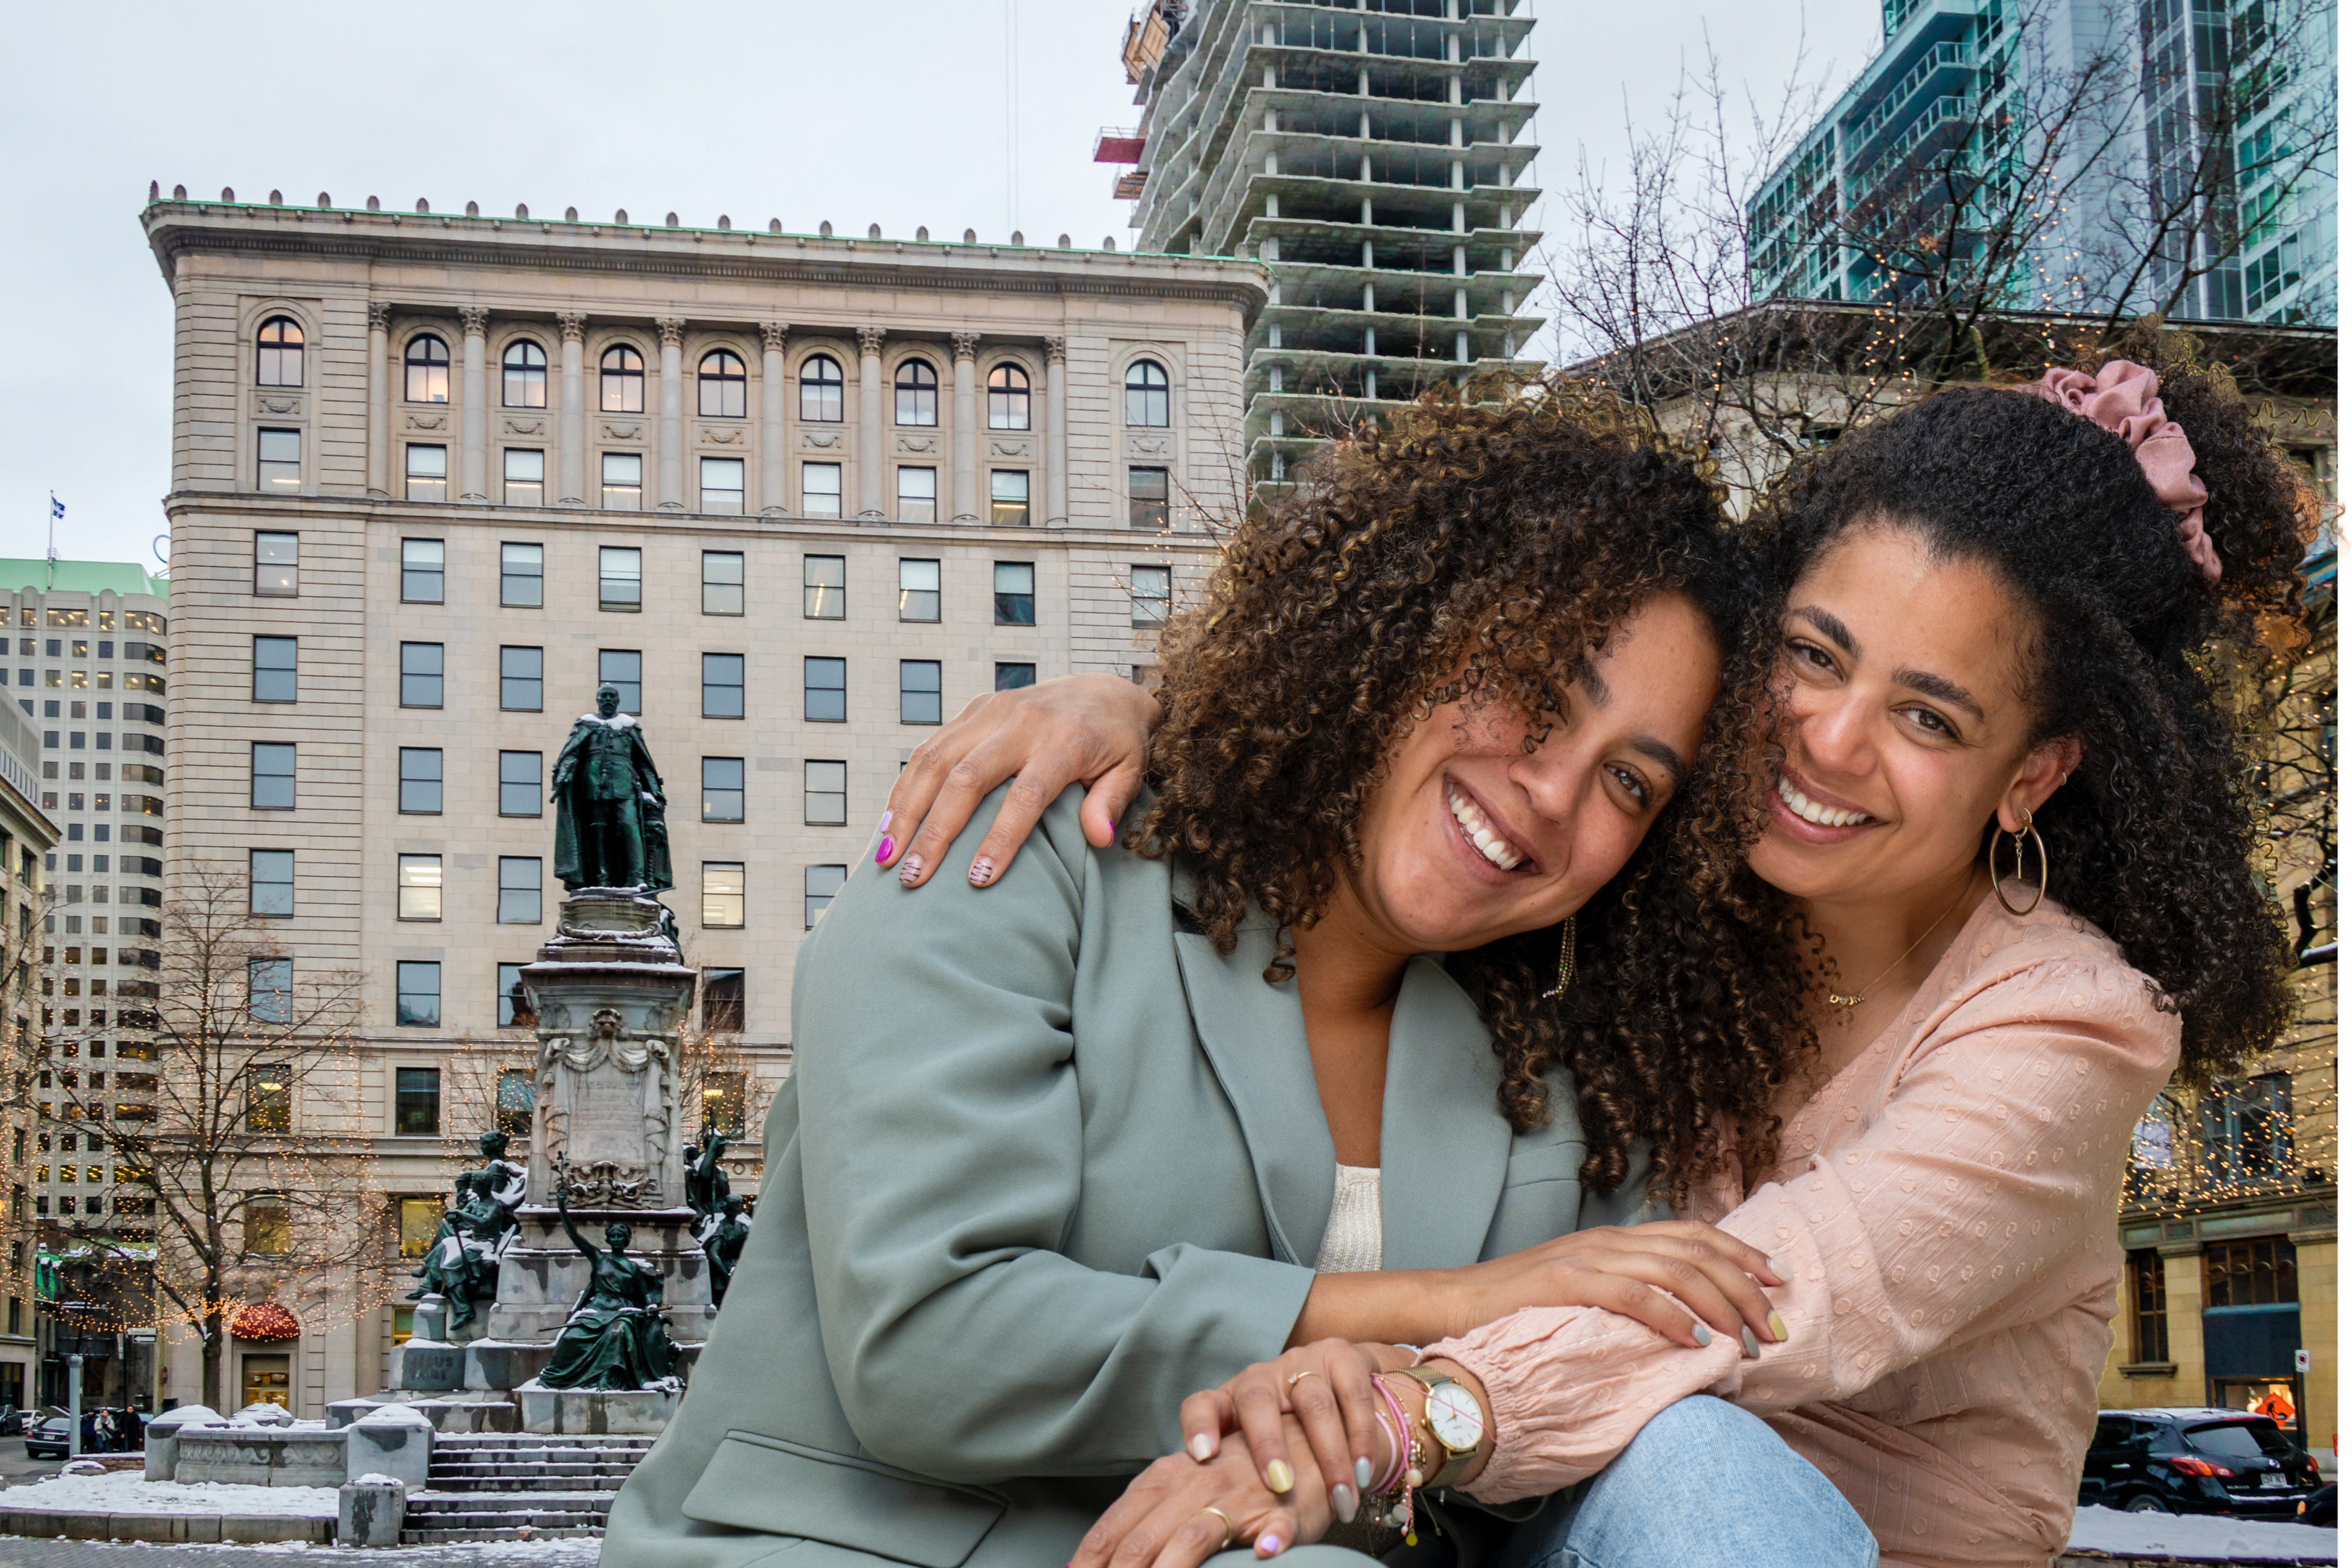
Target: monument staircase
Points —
{"points": [[505, 1485]]}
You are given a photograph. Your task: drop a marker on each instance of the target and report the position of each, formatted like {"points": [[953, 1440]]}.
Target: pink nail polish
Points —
{"points": [[1269, 1544], [981, 871], [882, 851], [910, 869], [885, 821]]}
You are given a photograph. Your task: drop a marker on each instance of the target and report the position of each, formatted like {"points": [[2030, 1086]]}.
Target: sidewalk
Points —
{"points": [[22, 1553]]}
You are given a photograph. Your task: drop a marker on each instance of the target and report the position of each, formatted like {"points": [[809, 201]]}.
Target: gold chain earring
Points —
{"points": [[1566, 960], [2017, 846]]}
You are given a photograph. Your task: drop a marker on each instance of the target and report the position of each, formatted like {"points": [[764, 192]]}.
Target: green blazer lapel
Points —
{"points": [[1445, 1147], [1256, 1041]]}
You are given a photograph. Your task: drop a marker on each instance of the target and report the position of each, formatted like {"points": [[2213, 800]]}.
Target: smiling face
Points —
{"points": [[1468, 838], [1906, 728]]}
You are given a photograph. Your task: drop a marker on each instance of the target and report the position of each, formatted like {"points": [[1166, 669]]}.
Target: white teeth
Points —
{"points": [[1820, 816], [1481, 832]]}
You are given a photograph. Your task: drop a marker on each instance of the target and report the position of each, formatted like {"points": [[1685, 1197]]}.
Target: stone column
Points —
{"points": [[379, 396], [771, 419], [869, 421], [673, 412], [572, 456], [967, 427], [1058, 432], [476, 471]]}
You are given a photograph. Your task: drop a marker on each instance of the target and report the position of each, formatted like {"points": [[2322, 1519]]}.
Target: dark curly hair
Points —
{"points": [[1505, 537], [2153, 838]]}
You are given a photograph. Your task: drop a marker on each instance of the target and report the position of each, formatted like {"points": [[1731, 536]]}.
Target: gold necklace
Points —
{"points": [[1846, 1005]]}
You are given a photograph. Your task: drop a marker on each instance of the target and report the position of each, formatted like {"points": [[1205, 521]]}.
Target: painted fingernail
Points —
{"points": [[983, 872], [1703, 1334], [1780, 1328], [1343, 1504], [1200, 1447], [1278, 1477], [1363, 1474], [882, 851], [1269, 1544], [1779, 1267], [1747, 1343], [887, 815], [910, 869]]}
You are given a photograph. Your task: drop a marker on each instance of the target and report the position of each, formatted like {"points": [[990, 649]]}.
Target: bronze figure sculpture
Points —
{"points": [[610, 828], [615, 1337]]}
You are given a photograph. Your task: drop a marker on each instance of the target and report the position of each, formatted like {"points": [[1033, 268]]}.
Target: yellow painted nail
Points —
{"points": [[1278, 1477], [1780, 1328]]}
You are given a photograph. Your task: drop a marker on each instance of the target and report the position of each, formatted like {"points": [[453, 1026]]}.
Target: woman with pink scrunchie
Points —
{"points": [[2009, 823]]}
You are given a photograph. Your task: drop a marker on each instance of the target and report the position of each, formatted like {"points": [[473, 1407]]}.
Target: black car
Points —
{"points": [[50, 1438], [2196, 1461]]}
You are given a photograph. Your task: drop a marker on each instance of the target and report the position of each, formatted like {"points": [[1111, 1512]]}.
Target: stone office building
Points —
{"points": [[27, 834], [435, 477]]}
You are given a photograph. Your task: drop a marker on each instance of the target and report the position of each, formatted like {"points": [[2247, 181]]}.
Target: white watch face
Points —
{"points": [[1454, 1416]]}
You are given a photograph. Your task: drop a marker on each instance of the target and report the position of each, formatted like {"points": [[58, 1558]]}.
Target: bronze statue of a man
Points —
{"points": [[610, 831]]}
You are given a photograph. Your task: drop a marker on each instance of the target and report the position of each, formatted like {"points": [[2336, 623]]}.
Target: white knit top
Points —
{"points": [[1351, 1242]]}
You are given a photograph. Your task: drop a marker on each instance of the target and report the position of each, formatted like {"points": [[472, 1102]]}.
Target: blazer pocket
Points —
{"points": [[758, 1482]]}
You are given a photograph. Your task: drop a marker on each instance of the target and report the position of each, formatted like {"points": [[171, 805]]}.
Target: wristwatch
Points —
{"points": [[1451, 1413]]}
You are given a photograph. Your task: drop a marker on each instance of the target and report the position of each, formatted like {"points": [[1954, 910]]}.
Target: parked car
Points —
{"points": [[2196, 1461], [2322, 1510], [50, 1438]]}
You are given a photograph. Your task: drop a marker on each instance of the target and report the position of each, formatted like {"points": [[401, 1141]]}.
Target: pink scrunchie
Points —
{"points": [[2121, 399]]}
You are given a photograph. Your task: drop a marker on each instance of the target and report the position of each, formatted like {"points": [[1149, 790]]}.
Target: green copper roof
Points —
{"points": [[80, 577]]}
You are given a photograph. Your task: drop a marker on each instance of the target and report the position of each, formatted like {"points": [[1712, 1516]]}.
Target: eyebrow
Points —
{"points": [[1830, 626], [1589, 680], [1935, 686], [1658, 751]]}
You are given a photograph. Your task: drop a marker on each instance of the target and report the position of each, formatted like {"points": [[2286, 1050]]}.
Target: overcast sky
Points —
{"points": [[863, 113]]}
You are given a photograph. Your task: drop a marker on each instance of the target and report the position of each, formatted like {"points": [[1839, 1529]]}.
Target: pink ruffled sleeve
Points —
{"points": [[1980, 1195]]}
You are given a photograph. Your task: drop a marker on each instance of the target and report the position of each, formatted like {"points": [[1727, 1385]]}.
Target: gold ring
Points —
{"points": [[1224, 1519], [1292, 1380]]}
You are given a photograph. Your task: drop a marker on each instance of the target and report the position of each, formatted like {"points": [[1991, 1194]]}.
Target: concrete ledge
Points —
{"points": [[199, 1529], [2087, 1559]]}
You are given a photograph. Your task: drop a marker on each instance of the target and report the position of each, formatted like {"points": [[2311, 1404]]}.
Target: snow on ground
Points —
{"points": [[127, 1492], [2196, 1535]]}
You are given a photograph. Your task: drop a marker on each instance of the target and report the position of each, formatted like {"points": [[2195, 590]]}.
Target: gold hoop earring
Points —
{"points": [[1566, 960], [2017, 844]]}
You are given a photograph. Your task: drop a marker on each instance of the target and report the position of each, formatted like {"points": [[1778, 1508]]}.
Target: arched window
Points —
{"points": [[427, 364], [721, 379], [621, 380], [1147, 396], [278, 357], [525, 374], [821, 390], [918, 393], [1008, 399]]}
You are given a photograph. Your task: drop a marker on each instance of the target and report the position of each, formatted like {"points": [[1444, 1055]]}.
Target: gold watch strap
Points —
{"points": [[1457, 1459]]}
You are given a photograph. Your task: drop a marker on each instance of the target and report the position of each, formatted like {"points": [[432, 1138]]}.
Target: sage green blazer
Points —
{"points": [[1046, 1164]]}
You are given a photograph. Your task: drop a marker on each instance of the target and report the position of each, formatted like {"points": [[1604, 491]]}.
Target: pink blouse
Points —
{"points": [[1947, 1205]]}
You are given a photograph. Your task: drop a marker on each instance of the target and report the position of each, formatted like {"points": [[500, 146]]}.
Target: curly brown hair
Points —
{"points": [[1504, 538]]}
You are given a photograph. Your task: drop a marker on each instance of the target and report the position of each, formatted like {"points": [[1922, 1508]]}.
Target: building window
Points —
{"points": [[1016, 594], [523, 576], [722, 686], [268, 1233], [426, 366], [820, 391], [418, 1006], [519, 888], [273, 670], [268, 1086], [1008, 399], [2249, 1130], [522, 381], [623, 668], [420, 675], [820, 490], [426, 477], [2151, 1334], [1148, 596], [722, 1013], [1014, 677], [818, 885], [277, 567], [919, 495], [269, 881], [919, 590], [416, 1091], [521, 687], [722, 582], [269, 990], [620, 578], [278, 457], [516, 1099], [420, 780], [825, 690], [720, 381], [919, 692], [420, 1220], [722, 486], [824, 794], [1146, 499], [422, 577], [2257, 1273], [722, 1092], [625, 481], [1147, 396], [621, 381], [722, 789], [918, 386], [722, 894], [272, 787], [420, 888], [515, 1011], [824, 591], [277, 353], [1008, 498], [519, 777], [526, 476]]}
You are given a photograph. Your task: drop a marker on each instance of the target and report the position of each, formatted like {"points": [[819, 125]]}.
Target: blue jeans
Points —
{"points": [[1704, 1485]]}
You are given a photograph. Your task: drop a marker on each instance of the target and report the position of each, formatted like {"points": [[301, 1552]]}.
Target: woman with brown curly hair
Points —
{"points": [[1056, 1153], [2009, 869]]}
